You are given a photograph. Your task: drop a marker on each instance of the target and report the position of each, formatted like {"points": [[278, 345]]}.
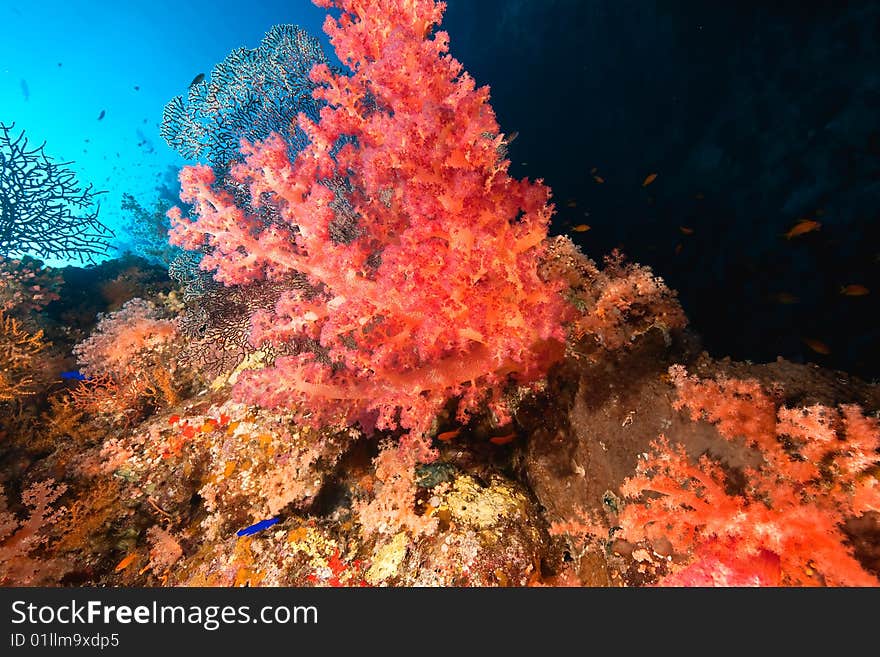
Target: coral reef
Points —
{"points": [[373, 366], [788, 512]]}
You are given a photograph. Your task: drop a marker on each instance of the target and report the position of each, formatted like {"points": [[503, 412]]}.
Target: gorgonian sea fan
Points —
{"points": [[44, 211], [249, 95]]}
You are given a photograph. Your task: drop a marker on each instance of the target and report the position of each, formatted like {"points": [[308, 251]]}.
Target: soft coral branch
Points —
{"points": [[818, 470], [20, 562]]}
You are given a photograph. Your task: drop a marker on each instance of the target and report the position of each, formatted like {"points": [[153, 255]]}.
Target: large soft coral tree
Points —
{"points": [[409, 254]]}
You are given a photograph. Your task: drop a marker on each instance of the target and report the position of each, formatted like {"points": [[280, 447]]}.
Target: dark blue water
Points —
{"points": [[753, 115]]}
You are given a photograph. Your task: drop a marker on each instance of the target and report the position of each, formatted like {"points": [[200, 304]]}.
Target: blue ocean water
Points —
{"points": [[90, 79]]}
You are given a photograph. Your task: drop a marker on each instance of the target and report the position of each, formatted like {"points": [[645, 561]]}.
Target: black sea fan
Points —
{"points": [[249, 95], [44, 211]]}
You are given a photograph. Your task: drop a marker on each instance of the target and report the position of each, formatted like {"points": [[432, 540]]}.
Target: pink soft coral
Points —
{"points": [[21, 563], [421, 252], [129, 359], [785, 526]]}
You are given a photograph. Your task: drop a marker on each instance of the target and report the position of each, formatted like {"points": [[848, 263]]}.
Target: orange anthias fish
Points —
{"points": [[854, 290], [802, 227], [502, 440], [126, 562], [786, 298], [685, 230], [651, 177], [817, 345], [448, 435], [581, 228], [599, 179]]}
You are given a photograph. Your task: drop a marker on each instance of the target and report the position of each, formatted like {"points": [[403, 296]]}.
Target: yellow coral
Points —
{"points": [[484, 507], [387, 559], [18, 352]]}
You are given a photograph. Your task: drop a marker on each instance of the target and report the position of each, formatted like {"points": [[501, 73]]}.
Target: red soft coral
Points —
{"points": [[421, 252], [816, 474]]}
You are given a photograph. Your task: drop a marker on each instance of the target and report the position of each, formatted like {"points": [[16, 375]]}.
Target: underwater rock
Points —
{"points": [[489, 534], [588, 433]]}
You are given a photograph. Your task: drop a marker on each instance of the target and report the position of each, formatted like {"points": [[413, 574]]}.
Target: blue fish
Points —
{"points": [[76, 375], [258, 527]]}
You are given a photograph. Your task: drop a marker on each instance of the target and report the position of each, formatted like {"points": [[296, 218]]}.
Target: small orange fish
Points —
{"points": [[678, 248], [448, 435], [599, 179], [817, 345], [854, 290], [502, 440], [786, 298], [685, 230], [126, 562], [581, 228], [571, 204], [651, 177], [802, 227], [594, 170]]}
